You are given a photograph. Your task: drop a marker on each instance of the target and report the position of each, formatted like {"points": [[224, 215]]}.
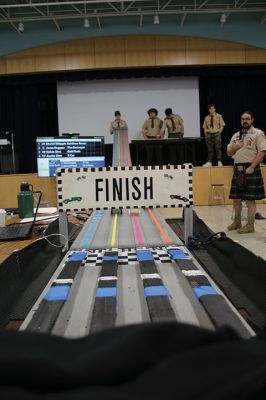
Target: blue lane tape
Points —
{"points": [[94, 223], [144, 255], [200, 291], [178, 254], [110, 258], [79, 256], [58, 292], [106, 292], [156, 291]]}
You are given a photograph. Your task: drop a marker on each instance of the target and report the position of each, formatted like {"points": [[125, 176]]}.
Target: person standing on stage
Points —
{"points": [[248, 148], [213, 126], [118, 123], [151, 130], [175, 127]]}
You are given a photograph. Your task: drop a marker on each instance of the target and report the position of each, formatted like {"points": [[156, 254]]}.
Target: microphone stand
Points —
{"points": [[13, 150]]}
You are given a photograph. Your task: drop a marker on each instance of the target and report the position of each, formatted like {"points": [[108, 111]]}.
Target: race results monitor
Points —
{"points": [[61, 152]]}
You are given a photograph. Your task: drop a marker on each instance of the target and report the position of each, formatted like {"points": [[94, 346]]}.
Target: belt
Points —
{"points": [[241, 167]]}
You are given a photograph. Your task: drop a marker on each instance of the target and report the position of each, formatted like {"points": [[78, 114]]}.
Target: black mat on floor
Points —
{"points": [[237, 271], [25, 274], [138, 362]]}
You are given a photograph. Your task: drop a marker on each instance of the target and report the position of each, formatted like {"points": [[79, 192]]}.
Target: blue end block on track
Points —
{"points": [[156, 291], [200, 291], [79, 256], [110, 258], [106, 292], [178, 254], [145, 255], [58, 292]]}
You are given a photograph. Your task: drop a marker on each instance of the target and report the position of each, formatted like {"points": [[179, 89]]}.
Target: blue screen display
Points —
{"points": [[61, 152]]}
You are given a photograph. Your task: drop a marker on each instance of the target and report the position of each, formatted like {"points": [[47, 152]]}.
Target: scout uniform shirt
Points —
{"points": [[118, 124], [152, 127], [253, 142], [173, 124], [213, 125]]}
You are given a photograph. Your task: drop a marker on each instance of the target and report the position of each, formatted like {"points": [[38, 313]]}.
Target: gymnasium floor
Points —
{"points": [[219, 217]]}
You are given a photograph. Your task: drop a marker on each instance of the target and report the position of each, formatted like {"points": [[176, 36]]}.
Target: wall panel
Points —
{"points": [[233, 54], [170, 50], [255, 55], [202, 179], [110, 52], [200, 51], [50, 57], [79, 54], [140, 51], [21, 62], [130, 51], [3, 69]]}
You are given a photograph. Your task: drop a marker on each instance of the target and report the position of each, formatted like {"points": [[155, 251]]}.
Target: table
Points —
{"points": [[189, 144], [7, 248]]}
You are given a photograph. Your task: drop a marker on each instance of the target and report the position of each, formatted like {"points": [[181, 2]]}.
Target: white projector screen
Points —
{"points": [[88, 107]]}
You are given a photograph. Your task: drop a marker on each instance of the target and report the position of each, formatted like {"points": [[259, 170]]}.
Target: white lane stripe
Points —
{"points": [[150, 276], [63, 281], [193, 272], [107, 278]]}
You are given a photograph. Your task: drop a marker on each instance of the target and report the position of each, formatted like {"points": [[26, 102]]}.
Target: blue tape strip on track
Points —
{"points": [[145, 255], [106, 292], [79, 256], [58, 292], [178, 254], [156, 291], [200, 291], [94, 223], [110, 258]]}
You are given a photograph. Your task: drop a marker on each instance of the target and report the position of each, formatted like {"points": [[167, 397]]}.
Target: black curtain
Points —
{"points": [[28, 111], [233, 95], [28, 104]]}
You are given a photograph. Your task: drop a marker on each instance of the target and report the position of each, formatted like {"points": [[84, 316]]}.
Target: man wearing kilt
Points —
{"points": [[248, 148]]}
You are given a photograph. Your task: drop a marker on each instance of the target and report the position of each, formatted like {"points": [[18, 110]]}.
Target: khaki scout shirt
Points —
{"points": [[147, 126], [218, 123], [178, 123], [253, 142], [114, 125]]}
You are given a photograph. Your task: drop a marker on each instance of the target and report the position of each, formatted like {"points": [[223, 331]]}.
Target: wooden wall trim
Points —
{"points": [[129, 51], [202, 179]]}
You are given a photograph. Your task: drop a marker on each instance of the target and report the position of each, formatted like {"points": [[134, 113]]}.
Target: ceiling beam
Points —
{"points": [[99, 22], [58, 27], [129, 6], [166, 5], [203, 4], [184, 16], [114, 7]]}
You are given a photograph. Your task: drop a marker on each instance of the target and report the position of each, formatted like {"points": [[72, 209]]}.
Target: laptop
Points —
{"points": [[19, 231]]}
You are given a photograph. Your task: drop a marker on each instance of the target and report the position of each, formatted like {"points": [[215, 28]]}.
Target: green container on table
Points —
{"points": [[25, 200]]}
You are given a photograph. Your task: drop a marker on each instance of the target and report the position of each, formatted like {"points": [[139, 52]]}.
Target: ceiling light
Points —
{"points": [[87, 23], [156, 20], [21, 27], [223, 18]]}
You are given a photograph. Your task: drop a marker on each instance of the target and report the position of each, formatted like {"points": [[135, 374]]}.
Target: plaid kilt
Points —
{"points": [[253, 188]]}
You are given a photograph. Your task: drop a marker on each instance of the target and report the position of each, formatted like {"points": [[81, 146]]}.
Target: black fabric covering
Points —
{"points": [[142, 362], [239, 273], [25, 273]]}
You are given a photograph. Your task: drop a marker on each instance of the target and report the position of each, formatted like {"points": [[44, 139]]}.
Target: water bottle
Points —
{"points": [[25, 200]]}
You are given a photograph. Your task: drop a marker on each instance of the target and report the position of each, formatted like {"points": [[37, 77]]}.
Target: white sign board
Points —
{"points": [[124, 187]]}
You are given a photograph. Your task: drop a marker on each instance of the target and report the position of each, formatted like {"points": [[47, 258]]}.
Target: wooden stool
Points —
{"points": [[217, 192]]}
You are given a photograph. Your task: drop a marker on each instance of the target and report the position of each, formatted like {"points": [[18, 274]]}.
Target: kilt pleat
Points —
{"points": [[253, 188]]}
